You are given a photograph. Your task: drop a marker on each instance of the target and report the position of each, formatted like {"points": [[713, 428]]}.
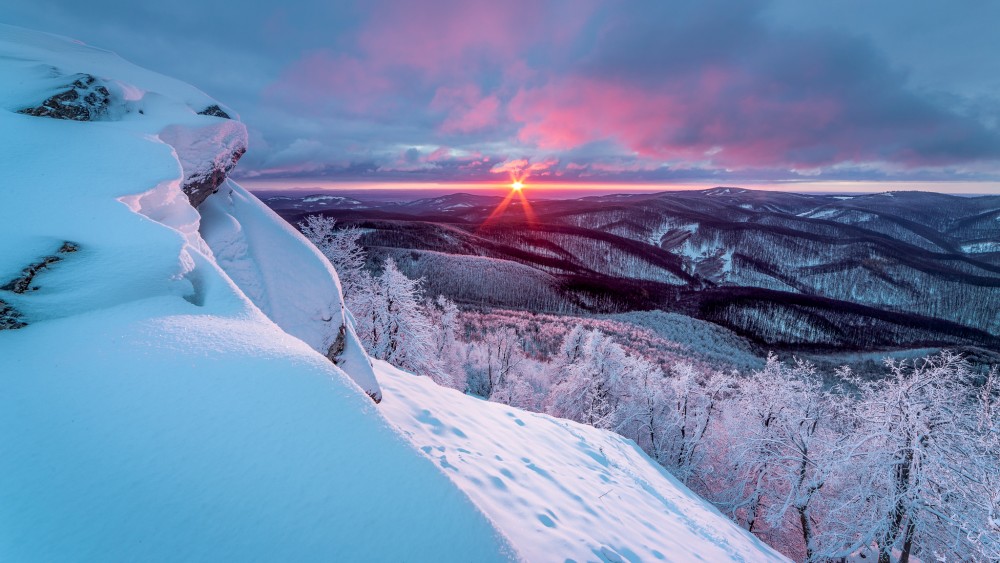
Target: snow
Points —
{"points": [[150, 411], [315, 198], [169, 398], [561, 490], [981, 247], [159, 433], [283, 274], [332, 200], [820, 214]]}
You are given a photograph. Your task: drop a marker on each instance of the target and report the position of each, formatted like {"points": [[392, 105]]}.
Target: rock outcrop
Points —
{"points": [[24, 282], [201, 185], [206, 161], [85, 99], [207, 154], [10, 317], [215, 111], [271, 264]]}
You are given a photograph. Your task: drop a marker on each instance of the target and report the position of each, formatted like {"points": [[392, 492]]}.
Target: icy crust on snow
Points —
{"points": [[284, 275], [149, 411], [560, 490]]}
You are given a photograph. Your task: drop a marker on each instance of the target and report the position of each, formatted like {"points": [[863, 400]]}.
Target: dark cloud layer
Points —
{"points": [[711, 90]]}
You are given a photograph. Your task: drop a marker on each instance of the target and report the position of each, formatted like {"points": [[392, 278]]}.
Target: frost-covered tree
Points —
{"points": [[392, 324], [571, 350], [646, 416], [443, 315], [979, 521], [786, 444], [340, 246], [924, 466], [499, 353], [694, 398], [594, 373]]}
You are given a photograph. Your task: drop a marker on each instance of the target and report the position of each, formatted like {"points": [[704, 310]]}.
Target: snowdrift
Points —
{"points": [[179, 379], [149, 408]]}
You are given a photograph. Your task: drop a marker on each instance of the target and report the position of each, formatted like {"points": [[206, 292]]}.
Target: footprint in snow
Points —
{"points": [[518, 421], [546, 521]]}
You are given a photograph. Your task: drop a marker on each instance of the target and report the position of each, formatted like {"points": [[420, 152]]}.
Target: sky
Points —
{"points": [[740, 92]]}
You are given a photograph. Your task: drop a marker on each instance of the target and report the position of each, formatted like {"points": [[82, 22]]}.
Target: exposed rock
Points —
{"points": [[22, 283], [200, 186], [215, 111], [10, 318], [207, 155], [337, 348], [85, 99], [336, 355]]}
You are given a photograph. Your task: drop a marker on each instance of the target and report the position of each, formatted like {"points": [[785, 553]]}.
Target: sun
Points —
{"points": [[516, 186]]}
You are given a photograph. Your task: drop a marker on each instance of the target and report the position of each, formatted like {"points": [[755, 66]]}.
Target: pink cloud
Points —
{"points": [[434, 36], [571, 112], [320, 78], [562, 78], [467, 109], [718, 118], [510, 166], [448, 154], [523, 168]]}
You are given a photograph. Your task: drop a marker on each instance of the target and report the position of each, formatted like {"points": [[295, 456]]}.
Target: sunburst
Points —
{"points": [[516, 190]]}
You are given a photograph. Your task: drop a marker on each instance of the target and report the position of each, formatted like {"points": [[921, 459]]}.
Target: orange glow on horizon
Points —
{"points": [[551, 187], [516, 189]]}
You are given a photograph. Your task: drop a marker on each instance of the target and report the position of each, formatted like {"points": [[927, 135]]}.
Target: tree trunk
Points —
{"points": [[806, 531], [911, 526], [902, 475]]}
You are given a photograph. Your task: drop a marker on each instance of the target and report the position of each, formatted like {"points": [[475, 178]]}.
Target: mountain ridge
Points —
{"points": [[902, 253]]}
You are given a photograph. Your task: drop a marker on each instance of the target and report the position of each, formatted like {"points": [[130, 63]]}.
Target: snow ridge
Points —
{"points": [[149, 410]]}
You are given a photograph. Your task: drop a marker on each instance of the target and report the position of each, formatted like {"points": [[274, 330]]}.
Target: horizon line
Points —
{"points": [[827, 186]]}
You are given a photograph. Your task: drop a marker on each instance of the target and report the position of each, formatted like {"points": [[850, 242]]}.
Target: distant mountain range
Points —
{"points": [[798, 272]]}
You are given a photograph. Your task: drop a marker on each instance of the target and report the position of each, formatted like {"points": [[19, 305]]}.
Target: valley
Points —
{"points": [[795, 273]]}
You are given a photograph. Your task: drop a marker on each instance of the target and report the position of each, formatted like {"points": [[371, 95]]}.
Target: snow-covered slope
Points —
{"points": [[284, 275], [148, 409], [179, 379], [561, 490]]}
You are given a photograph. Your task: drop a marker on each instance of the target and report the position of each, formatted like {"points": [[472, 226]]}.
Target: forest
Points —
{"points": [[821, 464], [801, 274]]}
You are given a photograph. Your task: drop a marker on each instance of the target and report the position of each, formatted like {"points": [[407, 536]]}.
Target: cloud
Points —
{"points": [[577, 89], [467, 109], [523, 168], [718, 82]]}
